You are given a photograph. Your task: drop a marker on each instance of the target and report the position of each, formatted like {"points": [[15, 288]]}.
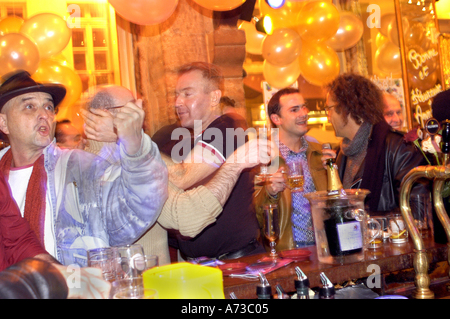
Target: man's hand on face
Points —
{"points": [[98, 125], [125, 125], [128, 122]]}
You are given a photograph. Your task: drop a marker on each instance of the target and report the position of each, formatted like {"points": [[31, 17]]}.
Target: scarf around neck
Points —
{"points": [[355, 150], [35, 195]]}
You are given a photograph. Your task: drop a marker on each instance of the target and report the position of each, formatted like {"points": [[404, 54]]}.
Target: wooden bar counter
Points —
{"points": [[394, 261]]}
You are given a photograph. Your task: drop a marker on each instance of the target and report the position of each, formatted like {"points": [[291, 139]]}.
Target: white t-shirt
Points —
{"points": [[18, 181]]}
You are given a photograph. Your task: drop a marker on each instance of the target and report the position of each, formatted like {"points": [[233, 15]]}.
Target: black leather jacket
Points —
{"points": [[399, 158]]}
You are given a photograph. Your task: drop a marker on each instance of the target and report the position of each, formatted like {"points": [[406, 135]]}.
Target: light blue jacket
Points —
{"points": [[96, 204]]}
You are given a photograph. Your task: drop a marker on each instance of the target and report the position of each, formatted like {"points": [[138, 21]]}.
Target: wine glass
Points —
{"points": [[263, 175], [272, 227]]}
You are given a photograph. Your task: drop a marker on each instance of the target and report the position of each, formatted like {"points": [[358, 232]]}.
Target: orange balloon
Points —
{"points": [[388, 58], [385, 21], [318, 21], [10, 25], [220, 5], [18, 52], [319, 63], [145, 12], [284, 17], [415, 34], [254, 39], [423, 84], [281, 77], [51, 71], [349, 33], [282, 47], [49, 31], [380, 40]]}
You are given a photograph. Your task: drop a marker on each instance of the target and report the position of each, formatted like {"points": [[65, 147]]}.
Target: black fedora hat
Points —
{"points": [[20, 82]]}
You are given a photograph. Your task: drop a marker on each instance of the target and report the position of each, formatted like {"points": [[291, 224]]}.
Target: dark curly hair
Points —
{"points": [[357, 96]]}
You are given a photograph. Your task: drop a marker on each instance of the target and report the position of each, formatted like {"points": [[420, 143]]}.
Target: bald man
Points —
{"points": [[392, 111], [188, 212]]}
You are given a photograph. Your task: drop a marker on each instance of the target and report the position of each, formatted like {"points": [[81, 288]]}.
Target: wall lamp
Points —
{"points": [[275, 4], [264, 24]]}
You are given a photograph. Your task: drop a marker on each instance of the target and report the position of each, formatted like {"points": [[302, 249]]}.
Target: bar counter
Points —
{"points": [[395, 263]]}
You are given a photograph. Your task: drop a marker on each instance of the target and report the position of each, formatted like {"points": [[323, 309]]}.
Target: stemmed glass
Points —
{"points": [[263, 175], [272, 227]]}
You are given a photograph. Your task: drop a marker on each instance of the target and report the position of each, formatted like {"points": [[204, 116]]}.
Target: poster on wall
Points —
{"points": [[421, 52]]}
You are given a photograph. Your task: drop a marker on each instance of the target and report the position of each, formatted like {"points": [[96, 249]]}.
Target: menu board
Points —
{"points": [[421, 57]]}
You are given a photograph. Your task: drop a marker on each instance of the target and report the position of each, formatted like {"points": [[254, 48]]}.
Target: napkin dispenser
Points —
{"points": [[185, 281]]}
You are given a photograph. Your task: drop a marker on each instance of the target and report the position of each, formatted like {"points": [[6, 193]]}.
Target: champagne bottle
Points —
{"points": [[338, 223], [334, 182]]}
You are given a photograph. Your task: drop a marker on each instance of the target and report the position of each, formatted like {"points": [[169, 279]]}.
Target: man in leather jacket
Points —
{"points": [[289, 114], [372, 155]]}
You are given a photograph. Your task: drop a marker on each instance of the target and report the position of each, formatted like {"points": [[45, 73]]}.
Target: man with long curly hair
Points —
{"points": [[372, 155]]}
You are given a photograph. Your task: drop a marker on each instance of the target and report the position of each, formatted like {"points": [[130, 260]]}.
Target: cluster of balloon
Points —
{"points": [[387, 55], [34, 45], [418, 44], [304, 40]]}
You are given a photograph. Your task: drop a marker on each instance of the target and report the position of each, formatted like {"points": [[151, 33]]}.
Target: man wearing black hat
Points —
{"points": [[71, 199]]}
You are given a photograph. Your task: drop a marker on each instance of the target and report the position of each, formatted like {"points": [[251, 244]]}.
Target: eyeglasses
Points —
{"points": [[118, 106], [329, 107]]}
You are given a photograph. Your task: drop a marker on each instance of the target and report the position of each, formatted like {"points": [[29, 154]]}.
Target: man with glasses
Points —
{"points": [[70, 198], [188, 212], [372, 155], [288, 113]]}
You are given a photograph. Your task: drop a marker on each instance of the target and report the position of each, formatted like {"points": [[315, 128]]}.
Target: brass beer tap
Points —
{"points": [[440, 174]]}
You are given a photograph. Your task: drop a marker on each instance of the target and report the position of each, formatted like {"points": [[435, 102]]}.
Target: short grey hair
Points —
{"points": [[101, 100]]}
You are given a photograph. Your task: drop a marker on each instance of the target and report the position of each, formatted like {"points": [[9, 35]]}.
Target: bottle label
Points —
{"points": [[350, 235]]}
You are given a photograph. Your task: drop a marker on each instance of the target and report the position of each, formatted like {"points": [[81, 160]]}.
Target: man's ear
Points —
{"points": [[3, 123], [275, 119], [215, 97]]}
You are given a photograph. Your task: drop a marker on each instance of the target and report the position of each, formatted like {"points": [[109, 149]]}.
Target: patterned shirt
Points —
{"points": [[301, 211]]}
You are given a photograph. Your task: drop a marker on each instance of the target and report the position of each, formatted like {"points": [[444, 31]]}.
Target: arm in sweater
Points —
{"points": [[193, 210]]}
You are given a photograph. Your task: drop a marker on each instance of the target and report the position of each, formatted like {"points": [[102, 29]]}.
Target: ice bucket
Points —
{"points": [[340, 225]]}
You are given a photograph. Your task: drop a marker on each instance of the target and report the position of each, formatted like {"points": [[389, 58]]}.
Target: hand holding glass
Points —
{"points": [[295, 176]]}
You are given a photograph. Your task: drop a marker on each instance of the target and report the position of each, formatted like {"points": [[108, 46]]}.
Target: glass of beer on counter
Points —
{"points": [[398, 232], [295, 176]]}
